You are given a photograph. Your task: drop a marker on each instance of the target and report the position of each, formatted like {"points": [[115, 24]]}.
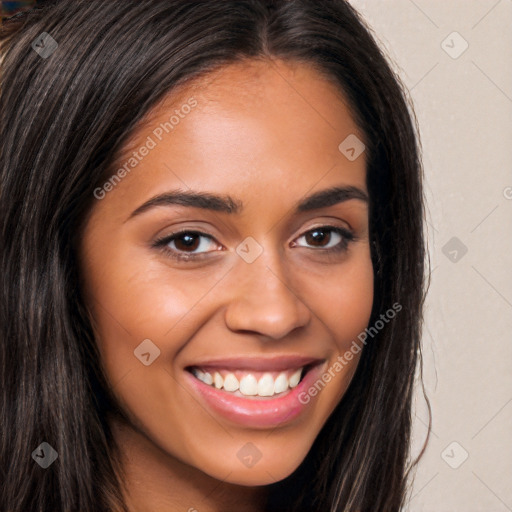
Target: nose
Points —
{"points": [[264, 301]]}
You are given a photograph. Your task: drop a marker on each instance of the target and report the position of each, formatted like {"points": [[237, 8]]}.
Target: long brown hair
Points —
{"points": [[65, 117]]}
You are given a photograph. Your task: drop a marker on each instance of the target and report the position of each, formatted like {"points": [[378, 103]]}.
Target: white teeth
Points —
{"points": [[266, 385], [281, 383], [218, 380], [231, 382], [203, 376], [249, 385], [198, 373], [295, 378]]}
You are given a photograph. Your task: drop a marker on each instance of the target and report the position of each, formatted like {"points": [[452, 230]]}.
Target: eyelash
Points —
{"points": [[162, 243]]}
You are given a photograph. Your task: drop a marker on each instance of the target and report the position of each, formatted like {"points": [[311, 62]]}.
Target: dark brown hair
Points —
{"points": [[64, 119]]}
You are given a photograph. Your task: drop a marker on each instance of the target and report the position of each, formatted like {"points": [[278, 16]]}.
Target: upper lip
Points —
{"points": [[278, 363]]}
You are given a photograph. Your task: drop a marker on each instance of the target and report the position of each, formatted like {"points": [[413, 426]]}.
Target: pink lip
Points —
{"points": [[259, 363], [256, 412]]}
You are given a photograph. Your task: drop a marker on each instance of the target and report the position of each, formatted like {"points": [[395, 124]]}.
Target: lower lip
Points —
{"points": [[254, 412]]}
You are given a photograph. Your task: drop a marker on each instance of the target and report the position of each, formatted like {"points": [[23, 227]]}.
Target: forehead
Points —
{"points": [[252, 123], [251, 84], [262, 79]]}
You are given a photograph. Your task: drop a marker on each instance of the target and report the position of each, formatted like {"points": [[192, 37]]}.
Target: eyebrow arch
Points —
{"points": [[227, 204]]}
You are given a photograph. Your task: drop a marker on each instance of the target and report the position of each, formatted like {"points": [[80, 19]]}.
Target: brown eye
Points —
{"points": [[186, 242], [328, 238], [318, 237]]}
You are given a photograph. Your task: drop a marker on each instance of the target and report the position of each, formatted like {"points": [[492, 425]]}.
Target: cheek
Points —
{"points": [[346, 300], [133, 298], [132, 292], [344, 305]]}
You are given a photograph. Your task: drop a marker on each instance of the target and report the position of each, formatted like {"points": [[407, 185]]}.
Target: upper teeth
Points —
{"points": [[248, 384]]}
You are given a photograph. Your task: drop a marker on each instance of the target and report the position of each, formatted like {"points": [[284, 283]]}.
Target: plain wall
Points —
{"points": [[463, 103]]}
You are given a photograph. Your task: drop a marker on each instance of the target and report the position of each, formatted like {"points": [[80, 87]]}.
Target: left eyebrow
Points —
{"points": [[227, 204], [330, 197]]}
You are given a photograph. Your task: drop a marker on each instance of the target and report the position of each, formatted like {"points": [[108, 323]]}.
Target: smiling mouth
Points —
{"points": [[256, 392], [251, 383]]}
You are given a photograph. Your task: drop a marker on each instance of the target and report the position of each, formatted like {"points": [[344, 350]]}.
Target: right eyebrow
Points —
{"points": [[227, 204]]}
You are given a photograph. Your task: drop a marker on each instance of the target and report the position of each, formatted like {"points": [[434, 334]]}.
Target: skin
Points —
{"points": [[266, 133]]}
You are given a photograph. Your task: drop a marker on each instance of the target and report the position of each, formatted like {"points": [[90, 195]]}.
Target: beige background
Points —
{"points": [[464, 108]]}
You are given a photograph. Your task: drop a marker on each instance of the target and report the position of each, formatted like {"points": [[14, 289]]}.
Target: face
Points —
{"points": [[225, 308]]}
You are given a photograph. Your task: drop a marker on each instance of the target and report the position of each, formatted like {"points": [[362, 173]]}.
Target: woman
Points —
{"points": [[212, 259]]}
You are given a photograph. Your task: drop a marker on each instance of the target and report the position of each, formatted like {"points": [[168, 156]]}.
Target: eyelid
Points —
{"points": [[347, 235], [343, 232], [164, 241]]}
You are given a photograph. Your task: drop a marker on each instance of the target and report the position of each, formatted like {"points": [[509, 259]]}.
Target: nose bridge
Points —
{"points": [[263, 299]]}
